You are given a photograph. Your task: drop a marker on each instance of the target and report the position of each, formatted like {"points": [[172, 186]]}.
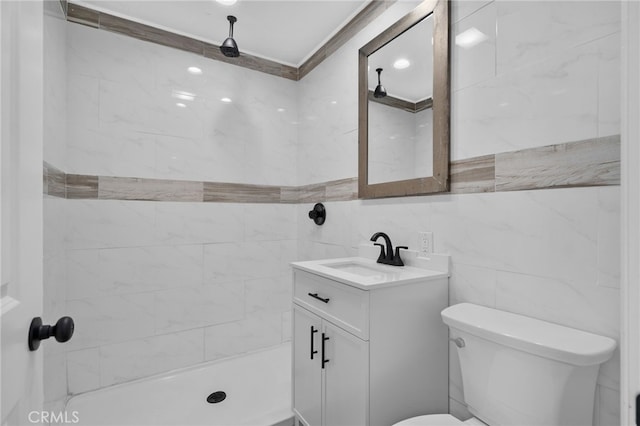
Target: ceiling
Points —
{"points": [[414, 83], [287, 31]]}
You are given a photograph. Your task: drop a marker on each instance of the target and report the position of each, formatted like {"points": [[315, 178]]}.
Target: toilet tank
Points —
{"points": [[522, 371]]}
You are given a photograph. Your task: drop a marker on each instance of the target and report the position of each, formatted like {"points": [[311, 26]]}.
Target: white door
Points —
{"points": [[21, 94], [630, 191], [307, 385], [346, 378]]}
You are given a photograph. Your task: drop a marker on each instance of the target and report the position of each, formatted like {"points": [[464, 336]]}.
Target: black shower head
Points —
{"points": [[380, 91], [230, 47]]}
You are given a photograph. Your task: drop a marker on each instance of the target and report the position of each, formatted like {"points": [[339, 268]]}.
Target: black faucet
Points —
{"points": [[387, 256]]}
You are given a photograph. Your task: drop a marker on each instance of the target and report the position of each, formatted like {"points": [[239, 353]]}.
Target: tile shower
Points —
{"points": [[176, 283]]}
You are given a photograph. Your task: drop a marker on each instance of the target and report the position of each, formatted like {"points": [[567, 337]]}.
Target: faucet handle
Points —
{"points": [[382, 253], [397, 260]]}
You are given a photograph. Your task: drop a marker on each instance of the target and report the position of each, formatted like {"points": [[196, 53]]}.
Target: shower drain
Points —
{"points": [[216, 397]]}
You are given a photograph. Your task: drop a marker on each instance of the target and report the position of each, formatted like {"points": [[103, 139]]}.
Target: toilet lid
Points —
{"points": [[431, 420]]}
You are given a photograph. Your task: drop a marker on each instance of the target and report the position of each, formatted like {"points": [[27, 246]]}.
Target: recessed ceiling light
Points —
{"points": [[227, 2], [280, 110], [181, 105], [334, 102], [225, 100], [194, 70], [401, 64], [470, 38]]}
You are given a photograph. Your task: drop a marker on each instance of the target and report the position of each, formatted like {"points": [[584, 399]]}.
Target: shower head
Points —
{"points": [[230, 47], [380, 91]]}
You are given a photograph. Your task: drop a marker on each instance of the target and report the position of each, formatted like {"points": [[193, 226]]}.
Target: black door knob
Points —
{"points": [[62, 331]]}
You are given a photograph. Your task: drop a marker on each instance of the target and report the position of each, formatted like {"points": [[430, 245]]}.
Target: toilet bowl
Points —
{"points": [[521, 370]]}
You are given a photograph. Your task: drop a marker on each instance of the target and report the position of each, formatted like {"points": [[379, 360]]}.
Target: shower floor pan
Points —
{"points": [[257, 388]]}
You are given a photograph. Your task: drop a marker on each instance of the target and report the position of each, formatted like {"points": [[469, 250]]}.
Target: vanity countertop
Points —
{"points": [[366, 274]]}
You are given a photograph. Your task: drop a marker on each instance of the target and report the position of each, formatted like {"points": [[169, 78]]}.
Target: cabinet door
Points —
{"points": [[346, 378], [307, 373]]}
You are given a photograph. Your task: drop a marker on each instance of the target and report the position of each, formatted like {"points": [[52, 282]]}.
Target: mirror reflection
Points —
{"points": [[400, 99]]}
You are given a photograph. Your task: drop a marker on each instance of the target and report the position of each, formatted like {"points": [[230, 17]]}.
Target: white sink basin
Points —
{"points": [[356, 268], [366, 273]]}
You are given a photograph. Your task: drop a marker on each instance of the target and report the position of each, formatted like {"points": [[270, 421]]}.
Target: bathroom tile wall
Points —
{"points": [[54, 109], [155, 286], [547, 73]]}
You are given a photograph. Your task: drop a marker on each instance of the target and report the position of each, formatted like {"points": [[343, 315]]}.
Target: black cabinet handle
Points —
{"points": [[315, 296], [324, 360], [313, 331]]}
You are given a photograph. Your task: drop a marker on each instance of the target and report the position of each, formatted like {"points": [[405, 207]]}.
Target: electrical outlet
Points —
{"points": [[425, 243]]}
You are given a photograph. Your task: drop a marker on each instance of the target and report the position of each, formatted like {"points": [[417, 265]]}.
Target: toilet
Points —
{"points": [[521, 371]]}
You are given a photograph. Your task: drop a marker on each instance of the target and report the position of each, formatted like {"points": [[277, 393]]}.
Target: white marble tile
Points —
{"points": [[472, 284], [110, 57], [270, 222], [255, 332], [172, 71], [55, 88], [475, 61], [54, 375], [553, 101], [198, 306], [311, 250], [83, 370], [83, 277], [609, 71], [460, 9], [594, 309], [608, 407], [226, 154], [55, 283], [111, 151], [270, 158], [130, 107], [240, 261], [530, 31], [339, 227], [144, 269], [466, 228], [199, 223], [117, 318], [269, 294], [83, 101], [549, 233], [110, 223], [383, 216], [609, 375], [130, 360], [184, 158], [54, 226], [609, 237]]}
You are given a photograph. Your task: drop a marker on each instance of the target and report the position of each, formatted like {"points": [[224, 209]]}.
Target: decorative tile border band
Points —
{"points": [[591, 162], [90, 187], [104, 21]]}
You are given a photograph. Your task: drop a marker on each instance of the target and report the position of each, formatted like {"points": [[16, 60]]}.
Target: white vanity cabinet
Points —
{"points": [[367, 351]]}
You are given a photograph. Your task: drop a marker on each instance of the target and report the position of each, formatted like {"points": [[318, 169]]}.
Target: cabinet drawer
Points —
{"points": [[345, 306]]}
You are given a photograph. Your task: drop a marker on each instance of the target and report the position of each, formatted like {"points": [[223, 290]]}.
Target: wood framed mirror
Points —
{"points": [[404, 106]]}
